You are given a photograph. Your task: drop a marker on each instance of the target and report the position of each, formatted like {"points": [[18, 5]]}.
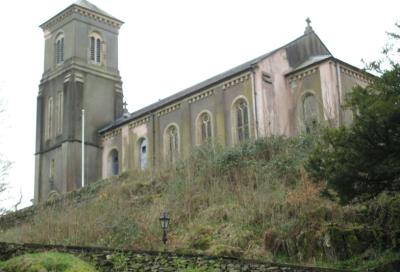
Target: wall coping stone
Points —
{"points": [[8, 250]]}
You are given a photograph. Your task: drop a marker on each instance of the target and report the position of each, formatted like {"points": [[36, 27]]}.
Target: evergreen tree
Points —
{"points": [[362, 160]]}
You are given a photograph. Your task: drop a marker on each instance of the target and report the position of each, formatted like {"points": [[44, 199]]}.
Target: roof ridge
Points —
{"points": [[86, 4], [203, 84]]}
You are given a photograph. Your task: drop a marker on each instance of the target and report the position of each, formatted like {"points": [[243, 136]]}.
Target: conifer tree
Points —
{"points": [[363, 160]]}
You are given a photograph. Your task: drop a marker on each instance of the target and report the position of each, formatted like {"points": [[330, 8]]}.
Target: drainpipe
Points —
{"points": [[339, 93], [253, 84], [154, 140], [83, 150]]}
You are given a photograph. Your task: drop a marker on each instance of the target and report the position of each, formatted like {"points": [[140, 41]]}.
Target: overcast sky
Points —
{"points": [[168, 45]]}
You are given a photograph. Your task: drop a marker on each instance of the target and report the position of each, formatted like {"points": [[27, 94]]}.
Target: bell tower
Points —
{"points": [[80, 72]]}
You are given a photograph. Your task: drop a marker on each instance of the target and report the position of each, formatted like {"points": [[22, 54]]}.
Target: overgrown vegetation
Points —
{"points": [[47, 261], [253, 201], [363, 160]]}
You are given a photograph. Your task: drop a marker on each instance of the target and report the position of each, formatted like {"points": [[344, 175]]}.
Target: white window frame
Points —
{"points": [[96, 48]]}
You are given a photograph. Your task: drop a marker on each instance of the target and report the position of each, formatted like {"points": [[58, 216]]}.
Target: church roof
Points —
{"points": [[86, 4], [294, 49], [310, 61], [83, 4]]}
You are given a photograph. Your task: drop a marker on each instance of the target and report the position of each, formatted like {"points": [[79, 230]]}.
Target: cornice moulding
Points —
{"points": [[75, 9]]}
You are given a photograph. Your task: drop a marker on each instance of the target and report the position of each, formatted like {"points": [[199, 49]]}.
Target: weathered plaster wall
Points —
{"points": [[302, 84], [110, 142], [330, 92], [273, 100], [349, 78], [131, 145], [239, 87], [207, 104], [216, 100]]}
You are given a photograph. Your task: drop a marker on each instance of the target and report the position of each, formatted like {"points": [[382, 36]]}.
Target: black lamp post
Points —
{"points": [[164, 222]]}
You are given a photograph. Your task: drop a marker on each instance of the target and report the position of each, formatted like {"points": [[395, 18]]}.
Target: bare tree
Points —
{"points": [[5, 165]]}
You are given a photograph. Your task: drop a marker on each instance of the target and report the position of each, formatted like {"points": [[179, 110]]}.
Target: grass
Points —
{"points": [[381, 260], [252, 201], [47, 261]]}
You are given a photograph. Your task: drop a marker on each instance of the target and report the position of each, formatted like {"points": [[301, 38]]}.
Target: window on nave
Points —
{"points": [[171, 144], [204, 128], [241, 120]]}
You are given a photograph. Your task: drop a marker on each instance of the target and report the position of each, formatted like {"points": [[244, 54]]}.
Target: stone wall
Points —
{"points": [[107, 259]]}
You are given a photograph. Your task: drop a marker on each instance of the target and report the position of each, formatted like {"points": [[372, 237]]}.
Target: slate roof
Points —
{"points": [[310, 61], [86, 5], [186, 92], [203, 85]]}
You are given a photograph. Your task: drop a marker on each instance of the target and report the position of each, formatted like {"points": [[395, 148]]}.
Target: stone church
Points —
{"points": [[284, 92]]}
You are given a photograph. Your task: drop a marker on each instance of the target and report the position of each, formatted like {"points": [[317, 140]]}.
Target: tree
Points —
{"points": [[363, 160], [5, 165], [4, 168]]}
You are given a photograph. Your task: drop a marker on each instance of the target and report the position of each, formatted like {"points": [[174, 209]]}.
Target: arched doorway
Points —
{"points": [[113, 162], [142, 153]]}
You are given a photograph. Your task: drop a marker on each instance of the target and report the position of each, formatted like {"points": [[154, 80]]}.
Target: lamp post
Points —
{"points": [[164, 222]]}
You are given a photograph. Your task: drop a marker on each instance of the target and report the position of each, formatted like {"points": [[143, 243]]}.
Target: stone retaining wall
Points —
{"points": [[107, 259]]}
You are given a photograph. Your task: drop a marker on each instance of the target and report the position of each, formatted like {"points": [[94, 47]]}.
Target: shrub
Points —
{"points": [[47, 261]]}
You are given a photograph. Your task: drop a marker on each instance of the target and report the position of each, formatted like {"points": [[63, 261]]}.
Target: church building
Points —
{"points": [[284, 92]]}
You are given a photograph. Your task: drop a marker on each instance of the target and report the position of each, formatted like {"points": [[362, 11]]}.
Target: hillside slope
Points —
{"points": [[252, 201]]}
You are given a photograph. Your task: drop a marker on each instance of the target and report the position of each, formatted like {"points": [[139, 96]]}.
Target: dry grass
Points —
{"points": [[221, 201]]}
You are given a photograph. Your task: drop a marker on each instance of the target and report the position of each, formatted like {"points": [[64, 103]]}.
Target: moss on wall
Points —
{"points": [[123, 260]]}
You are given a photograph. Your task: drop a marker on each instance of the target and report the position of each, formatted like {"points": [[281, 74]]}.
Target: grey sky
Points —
{"points": [[166, 46]]}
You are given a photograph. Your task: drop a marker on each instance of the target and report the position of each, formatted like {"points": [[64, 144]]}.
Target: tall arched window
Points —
{"points": [[59, 48], [241, 118], [142, 146], [310, 112], [171, 144], [204, 128], [96, 44], [49, 119], [113, 162], [59, 112], [52, 169]]}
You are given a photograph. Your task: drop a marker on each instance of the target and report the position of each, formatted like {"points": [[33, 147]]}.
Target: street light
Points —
{"points": [[164, 221]]}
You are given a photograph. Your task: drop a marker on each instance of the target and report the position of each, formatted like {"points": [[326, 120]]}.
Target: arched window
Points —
{"points": [[59, 49], [241, 120], [310, 112], [96, 47], [113, 162], [204, 128], [142, 146], [171, 144], [49, 119], [52, 169], [59, 112]]}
